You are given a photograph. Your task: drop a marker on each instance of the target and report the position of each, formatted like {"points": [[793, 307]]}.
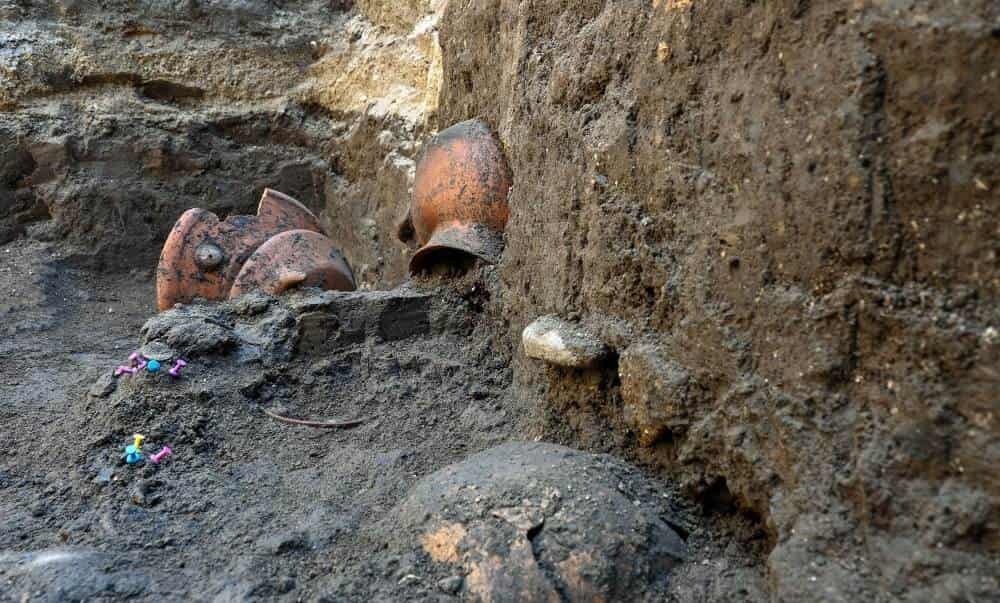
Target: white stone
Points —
{"points": [[562, 343]]}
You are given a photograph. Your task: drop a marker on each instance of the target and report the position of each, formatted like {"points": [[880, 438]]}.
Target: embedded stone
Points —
{"points": [[104, 385], [658, 393], [562, 343], [158, 350]]}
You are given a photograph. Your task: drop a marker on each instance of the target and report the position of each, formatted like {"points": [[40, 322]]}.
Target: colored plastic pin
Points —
{"points": [[121, 370], [132, 454], [159, 456], [153, 366], [178, 365], [137, 360]]}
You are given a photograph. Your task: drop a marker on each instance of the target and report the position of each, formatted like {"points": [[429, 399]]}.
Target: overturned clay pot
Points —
{"points": [[203, 256], [459, 205]]}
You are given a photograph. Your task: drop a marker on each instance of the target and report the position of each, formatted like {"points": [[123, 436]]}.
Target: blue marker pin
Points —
{"points": [[133, 452]]}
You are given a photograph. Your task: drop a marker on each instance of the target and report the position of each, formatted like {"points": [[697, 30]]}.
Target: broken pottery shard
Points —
{"points": [[278, 208], [295, 258], [558, 342], [658, 393], [203, 255]]}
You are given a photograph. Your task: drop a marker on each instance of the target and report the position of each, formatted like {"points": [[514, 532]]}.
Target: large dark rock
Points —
{"points": [[72, 574], [542, 522]]}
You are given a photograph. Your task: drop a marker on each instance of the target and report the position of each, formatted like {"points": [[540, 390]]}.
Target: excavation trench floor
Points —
{"points": [[246, 507]]}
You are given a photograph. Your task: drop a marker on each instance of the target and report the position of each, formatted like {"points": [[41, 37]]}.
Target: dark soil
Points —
{"points": [[784, 213], [779, 217], [247, 507]]}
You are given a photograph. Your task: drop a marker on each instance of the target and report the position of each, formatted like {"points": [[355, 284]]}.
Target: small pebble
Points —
{"points": [[450, 585], [409, 579]]}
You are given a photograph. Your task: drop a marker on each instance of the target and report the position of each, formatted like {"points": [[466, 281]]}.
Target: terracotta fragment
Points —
{"points": [[294, 258], [202, 255]]}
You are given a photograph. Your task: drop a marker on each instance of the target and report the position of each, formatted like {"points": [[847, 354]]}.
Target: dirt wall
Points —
{"points": [[116, 117], [780, 216], [792, 205]]}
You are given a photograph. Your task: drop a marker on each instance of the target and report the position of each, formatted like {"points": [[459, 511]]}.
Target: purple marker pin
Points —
{"points": [[178, 365], [159, 456], [133, 360]]}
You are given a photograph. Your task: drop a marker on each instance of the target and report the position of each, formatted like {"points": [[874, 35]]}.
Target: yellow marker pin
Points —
{"points": [[138, 438]]}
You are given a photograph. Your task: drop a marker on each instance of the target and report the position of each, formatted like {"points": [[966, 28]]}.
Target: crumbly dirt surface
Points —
{"points": [[248, 508], [780, 217]]}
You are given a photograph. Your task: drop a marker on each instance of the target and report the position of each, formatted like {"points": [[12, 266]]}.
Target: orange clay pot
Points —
{"points": [[459, 198]]}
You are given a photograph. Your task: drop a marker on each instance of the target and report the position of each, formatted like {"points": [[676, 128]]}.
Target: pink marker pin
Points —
{"points": [[133, 360], [156, 458], [178, 365], [125, 369]]}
